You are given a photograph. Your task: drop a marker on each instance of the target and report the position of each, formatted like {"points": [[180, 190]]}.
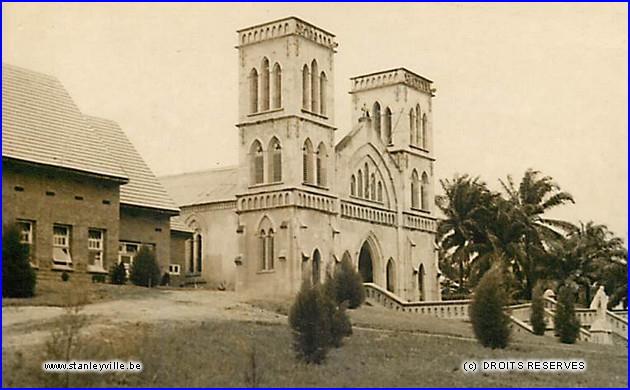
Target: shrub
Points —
{"points": [[340, 325], [117, 274], [309, 319], [98, 278], [166, 279], [489, 320], [18, 278], [566, 324], [537, 314], [144, 270], [348, 285]]}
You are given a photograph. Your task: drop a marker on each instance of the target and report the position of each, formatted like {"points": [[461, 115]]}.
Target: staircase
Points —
{"points": [[598, 325]]}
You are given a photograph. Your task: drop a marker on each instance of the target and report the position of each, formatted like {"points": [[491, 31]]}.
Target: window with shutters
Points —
{"points": [[264, 75], [414, 189], [314, 87], [321, 165], [376, 113], [424, 191], [307, 162], [323, 84], [253, 91], [388, 126], [306, 88], [277, 86], [275, 160], [257, 171]]}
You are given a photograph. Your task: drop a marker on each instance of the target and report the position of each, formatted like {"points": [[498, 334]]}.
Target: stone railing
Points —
{"points": [[362, 212], [585, 316], [418, 222], [283, 27], [291, 197], [618, 325], [620, 313], [390, 77], [315, 201]]}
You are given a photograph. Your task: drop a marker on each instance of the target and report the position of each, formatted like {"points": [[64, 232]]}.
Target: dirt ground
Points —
{"points": [[28, 325]]}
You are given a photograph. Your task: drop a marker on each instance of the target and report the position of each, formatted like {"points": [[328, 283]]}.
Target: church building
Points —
{"points": [[298, 202]]}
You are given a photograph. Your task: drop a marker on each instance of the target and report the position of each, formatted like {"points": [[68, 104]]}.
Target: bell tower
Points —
{"points": [[286, 106]]}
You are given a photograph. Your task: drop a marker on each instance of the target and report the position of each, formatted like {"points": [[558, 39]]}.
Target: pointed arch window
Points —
{"points": [[253, 91], [257, 161], [353, 185], [277, 86], [391, 275], [307, 162], [376, 110], [266, 246], [360, 184], [380, 192], [415, 183], [412, 127], [373, 187], [321, 165], [264, 74], [424, 191], [275, 161], [424, 131], [366, 181], [306, 88], [323, 84], [388, 126], [314, 87]]}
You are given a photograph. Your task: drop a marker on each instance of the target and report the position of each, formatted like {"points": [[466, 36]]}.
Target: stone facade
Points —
{"points": [[298, 202]]}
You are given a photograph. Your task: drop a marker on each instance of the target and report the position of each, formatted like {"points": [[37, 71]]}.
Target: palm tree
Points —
{"points": [[534, 196], [465, 206]]}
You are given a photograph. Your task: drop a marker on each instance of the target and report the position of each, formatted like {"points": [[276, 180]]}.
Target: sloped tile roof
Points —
{"points": [[178, 225], [214, 185], [41, 124], [143, 189]]}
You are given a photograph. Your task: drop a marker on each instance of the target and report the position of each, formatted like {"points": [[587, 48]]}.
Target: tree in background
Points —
{"points": [[347, 285], [18, 278], [144, 270], [537, 314]]}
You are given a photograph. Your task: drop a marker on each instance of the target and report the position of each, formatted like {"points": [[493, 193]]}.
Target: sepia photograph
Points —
{"points": [[232, 195]]}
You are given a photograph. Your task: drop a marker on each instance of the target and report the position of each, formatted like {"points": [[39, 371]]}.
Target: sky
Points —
{"points": [[542, 86]]}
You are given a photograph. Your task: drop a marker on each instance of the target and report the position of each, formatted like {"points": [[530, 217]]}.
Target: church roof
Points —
{"points": [[143, 189], [178, 225], [41, 124], [213, 185]]}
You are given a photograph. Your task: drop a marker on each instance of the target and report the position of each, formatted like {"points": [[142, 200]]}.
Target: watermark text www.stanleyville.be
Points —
{"points": [[90, 366]]}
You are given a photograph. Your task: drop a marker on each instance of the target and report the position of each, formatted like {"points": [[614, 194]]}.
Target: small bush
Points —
{"points": [[117, 274], [348, 285], [166, 279], [144, 270], [98, 278], [537, 314], [65, 276], [489, 320], [340, 325], [18, 278], [310, 321], [566, 324]]}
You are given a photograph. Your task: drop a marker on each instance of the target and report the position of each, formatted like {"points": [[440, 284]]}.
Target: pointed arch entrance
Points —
{"points": [[366, 263]]}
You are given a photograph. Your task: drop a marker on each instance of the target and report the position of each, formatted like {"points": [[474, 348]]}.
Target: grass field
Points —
{"points": [[385, 350]]}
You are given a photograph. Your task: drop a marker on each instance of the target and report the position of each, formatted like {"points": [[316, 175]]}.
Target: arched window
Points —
{"points": [[380, 192], [275, 160], [257, 171], [360, 184], [366, 181], [388, 126], [321, 165], [424, 132], [316, 267], [418, 126], [421, 282], [424, 191], [373, 187], [391, 275], [353, 185], [264, 74], [277, 86], [307, 162], [314, 87], [267, 246], [323, 84], [253, 91], [306, 88], [415, 183], [199, 251], [376, 111], [412, 127]]}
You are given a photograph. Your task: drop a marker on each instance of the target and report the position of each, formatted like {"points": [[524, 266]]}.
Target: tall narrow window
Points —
{"points": [[388, 126], [415, 182], [307, 162], [353, 185], [360, 184], [253, 91], [323, 84], [277, 86], [376, 110], [418, 126], [61, 246], [366, 181], [424, 191], [267, 245], [257, 170], [425, 143], [264, 74], [270, 250], [95, 249], [380, 192], [321, 165], [263, 250], [412, 127], [306, 88], [373, 187], [275, 160], [27, 232], [391, 276], [314, 87], [199, 252]]}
